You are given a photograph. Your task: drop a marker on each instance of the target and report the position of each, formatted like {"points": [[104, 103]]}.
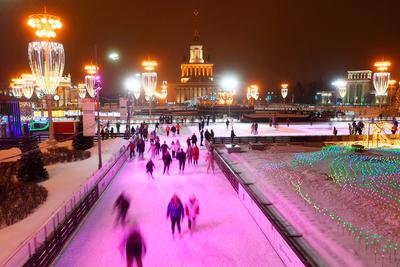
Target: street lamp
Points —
{"points": [[113, 56], [149, 80], [381, 79], [284, 91], [229, 85], [46, 58]]}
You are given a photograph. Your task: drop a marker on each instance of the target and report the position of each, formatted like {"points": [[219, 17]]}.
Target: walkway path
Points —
{"points": [[225, 235]]}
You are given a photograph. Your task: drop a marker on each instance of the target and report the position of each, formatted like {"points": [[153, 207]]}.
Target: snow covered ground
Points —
{"points": [[64, 179], [225, 234], [294, 129], [268, 171]]}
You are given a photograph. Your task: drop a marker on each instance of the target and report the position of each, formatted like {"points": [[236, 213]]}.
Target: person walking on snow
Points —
{"points": [[150, 168], [192, 210], [175, 212], [181, 157], [195, 155]]}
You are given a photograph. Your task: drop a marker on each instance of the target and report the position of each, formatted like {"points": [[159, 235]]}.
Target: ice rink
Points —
{"points": [[225, 234]]}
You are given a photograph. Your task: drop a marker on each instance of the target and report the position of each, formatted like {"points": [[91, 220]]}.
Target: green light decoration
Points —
{"points": [[373, 175]]}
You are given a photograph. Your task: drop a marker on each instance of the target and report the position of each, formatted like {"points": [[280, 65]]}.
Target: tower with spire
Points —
{"points": [[197, 81]]}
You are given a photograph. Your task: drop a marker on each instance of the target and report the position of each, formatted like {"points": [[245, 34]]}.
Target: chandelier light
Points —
{"points": [[149, 78], [381, 79], [90, 81], [16, 87], [164, 91], [82, 90], [284, 90], [341, 85], [28, 85]]}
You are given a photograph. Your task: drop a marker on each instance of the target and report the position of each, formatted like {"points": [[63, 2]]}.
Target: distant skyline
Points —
{"points": [[264, 42]]}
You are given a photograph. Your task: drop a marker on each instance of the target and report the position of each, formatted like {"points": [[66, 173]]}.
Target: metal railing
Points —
{"points": [[295, 242], [41, 248]]}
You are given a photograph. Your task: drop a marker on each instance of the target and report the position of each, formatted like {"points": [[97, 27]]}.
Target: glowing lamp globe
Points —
{"points": [[284, 90], [28, 85]]}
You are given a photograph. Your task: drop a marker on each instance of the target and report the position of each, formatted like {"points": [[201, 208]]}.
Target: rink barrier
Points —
{"points": [[288, 244], [289, 139], [44, 245]]}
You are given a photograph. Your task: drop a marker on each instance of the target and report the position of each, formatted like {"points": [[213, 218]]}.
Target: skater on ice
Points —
{"points": [[192, 210], [134, 247], [150, 168], [122, 205], [175, 213]]}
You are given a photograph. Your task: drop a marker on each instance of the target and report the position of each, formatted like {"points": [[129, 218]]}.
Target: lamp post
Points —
{"points": [[149, 80], [381, 79], [93, 87], [341, 85], [46, 58], [284, 91]]}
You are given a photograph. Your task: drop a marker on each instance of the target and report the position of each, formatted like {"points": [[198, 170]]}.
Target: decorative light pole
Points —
{"points": [[341, 85], [284, 91], [149, 80], [381, 79], [46, 58], [93, 87]]}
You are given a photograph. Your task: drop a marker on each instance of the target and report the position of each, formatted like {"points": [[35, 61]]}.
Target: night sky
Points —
{"points": [[264, 42]]}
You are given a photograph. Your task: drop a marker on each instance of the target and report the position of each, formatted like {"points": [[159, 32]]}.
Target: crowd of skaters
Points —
{"points": [[133, 244]]}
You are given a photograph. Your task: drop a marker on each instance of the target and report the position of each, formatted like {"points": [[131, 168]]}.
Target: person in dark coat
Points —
{"points": [[227, 124], [194, 139], [112, 132], [173, 130], [164, 147], [207, 136], [212, 134], [167, 159], [188, 141], [233, 135], [122, 204], [158, 146], [118, 126], [175, 212], [102, 133], [199, 126], [150, 168], [131, 149], [181, 157], [201, 137], [141, 146], [134, 247]]}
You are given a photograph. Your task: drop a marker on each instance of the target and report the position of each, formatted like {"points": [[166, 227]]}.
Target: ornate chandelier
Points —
{"points": [[381, 79], [149, 78], [82, 90], [252, 92], [164, 91], [341, 85], [284, 90], [90, 81], [16, 87], [28, 85]]}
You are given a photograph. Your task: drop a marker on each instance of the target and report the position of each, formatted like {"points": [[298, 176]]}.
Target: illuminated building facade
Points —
{"points": [[197, 75], [359, 87]]}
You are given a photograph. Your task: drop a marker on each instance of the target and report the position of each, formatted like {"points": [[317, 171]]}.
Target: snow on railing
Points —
{"points": [[100, 178]]}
